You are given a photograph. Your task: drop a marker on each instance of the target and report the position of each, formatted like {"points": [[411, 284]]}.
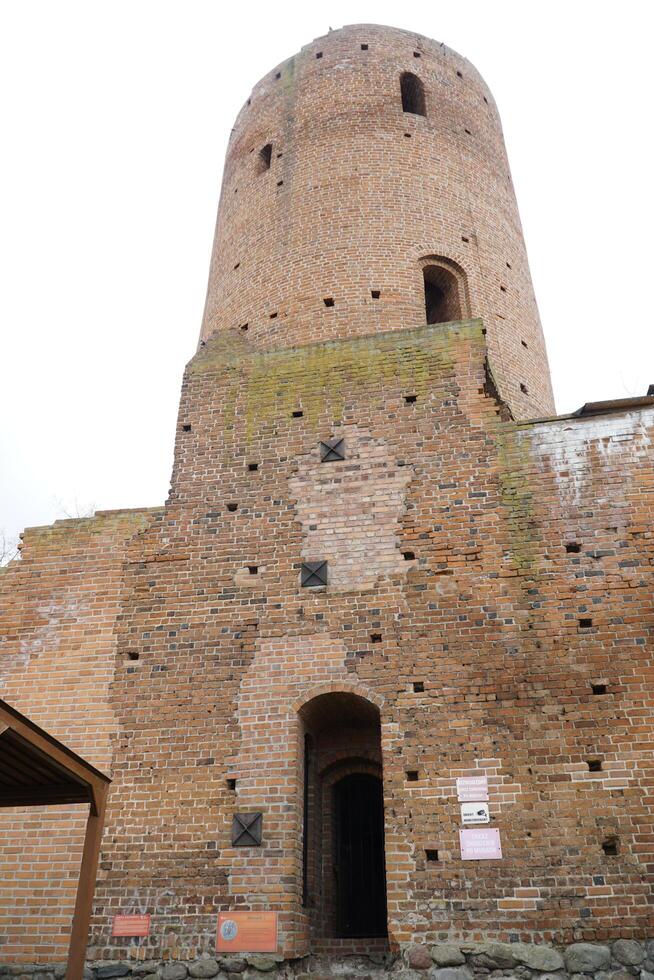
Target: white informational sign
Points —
{"points": [[474, 813], [480, 845], [470, 789]]}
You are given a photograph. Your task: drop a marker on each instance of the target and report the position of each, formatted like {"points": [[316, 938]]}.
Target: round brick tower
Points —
{"points": [[366, 188]]}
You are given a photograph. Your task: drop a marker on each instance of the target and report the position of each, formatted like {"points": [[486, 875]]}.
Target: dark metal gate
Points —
{"points": [[359, 863]]}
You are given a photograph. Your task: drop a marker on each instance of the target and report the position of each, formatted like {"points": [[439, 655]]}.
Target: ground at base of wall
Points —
{"points": [[621, 959]]}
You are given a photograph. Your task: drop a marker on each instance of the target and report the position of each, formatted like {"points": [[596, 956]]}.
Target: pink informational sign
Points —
{"points": [[131, 925], [480, 844], [472, 789]]}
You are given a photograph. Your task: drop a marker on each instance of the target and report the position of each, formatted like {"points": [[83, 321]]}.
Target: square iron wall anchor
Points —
{"points": [[332, 450], [313, 574], [247, 829]]}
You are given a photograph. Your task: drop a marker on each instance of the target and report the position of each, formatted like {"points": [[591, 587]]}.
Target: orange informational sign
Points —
{"points": [[247, 932], [131, 925]]}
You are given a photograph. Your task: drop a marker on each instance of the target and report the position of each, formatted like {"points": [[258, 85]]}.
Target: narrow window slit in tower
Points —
{"points": [[132, 655], [523, 388], [460, 74], [279, 156], [594, 765], [502, 289], [253, 467], [408, 135], [408, 555], [253, 569], [231, 784], [524, 343], [232, 507], [318, 54], [412, 775], [485, 100], [598, 689], [265, 156], [328, 301], [431, 854], [375, 637], [585, 624], [416, 54], [410, 399], [375, 293], [186, 427], [244, 326], [610, 846], [279, 183], [464, 239], [573, 547], [298, 414], [278, 75], [418, 687], [236, 266], [273, 316], [413, 94], [508, 265], [364, 47]]}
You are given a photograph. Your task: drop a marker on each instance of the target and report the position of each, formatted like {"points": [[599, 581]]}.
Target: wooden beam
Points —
{"points": [[86, 885], [51, 795]]}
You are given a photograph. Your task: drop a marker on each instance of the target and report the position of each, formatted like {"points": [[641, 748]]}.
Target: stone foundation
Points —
{"points": [[619, 960]]}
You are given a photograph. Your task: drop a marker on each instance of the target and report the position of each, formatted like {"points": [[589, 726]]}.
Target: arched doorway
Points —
{"points": [[344, 875], [359, 864]]}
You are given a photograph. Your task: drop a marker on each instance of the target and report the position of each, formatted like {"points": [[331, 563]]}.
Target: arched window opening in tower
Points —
{"points": [[442, 299], [265, 156], [413, 94]]}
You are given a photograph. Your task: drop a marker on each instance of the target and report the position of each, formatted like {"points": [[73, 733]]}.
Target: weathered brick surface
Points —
{"points": [[58, 607], [359, 192], [489, 598]]}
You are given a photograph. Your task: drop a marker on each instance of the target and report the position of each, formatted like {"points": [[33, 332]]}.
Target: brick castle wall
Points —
{"points": [[489, 594]]}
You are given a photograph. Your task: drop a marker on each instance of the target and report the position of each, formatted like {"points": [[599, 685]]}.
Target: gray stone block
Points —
{"points": [[112, 970], [628, 952], [586, 958], [261, 962], [447, 954], [495, 955], [174, 971], [450, 973], [545, 959], [232, 964], [206, 967]]}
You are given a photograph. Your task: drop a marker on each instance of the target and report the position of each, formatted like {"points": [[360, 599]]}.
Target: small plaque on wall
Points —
{"points": [[482, 844], [247, 932], [131, 925]]}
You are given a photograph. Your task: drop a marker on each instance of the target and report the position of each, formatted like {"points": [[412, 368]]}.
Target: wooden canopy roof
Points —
{"points": [[37, 770]]}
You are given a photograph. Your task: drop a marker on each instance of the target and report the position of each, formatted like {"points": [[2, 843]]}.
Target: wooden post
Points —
{"points": [[86, 885]]}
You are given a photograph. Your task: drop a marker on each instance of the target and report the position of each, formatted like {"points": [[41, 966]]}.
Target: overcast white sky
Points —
{"points": [[114, 122]]}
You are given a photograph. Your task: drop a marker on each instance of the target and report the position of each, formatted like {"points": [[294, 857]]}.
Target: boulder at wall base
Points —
{"points": [[628, 952], [418, 957], [174, 971], [491, 955], [586, 958], [114, 970], [450, 973], [204, 968], [545, 959], [446, 954], [261, 962]]}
